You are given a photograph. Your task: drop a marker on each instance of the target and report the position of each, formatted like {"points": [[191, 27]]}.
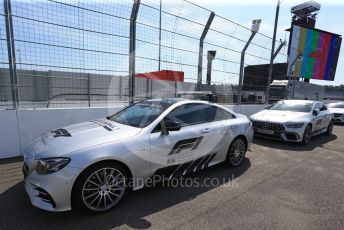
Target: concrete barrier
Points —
{"points": [[247, 110], [33, 123], [9, 135]]}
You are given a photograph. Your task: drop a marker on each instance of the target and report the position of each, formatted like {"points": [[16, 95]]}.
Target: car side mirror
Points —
{"points": [[169, 125], [316, 112]]}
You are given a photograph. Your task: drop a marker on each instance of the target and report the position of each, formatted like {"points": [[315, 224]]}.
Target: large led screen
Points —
{"points": [[313, 53]]}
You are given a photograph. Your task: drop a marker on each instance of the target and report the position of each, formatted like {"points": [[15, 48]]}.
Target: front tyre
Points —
{"points": [[100, 187], [307, 135], [236, 152], [329, 130]]}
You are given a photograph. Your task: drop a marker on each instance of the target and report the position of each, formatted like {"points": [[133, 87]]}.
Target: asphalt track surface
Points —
{"points": [[279, 186]]}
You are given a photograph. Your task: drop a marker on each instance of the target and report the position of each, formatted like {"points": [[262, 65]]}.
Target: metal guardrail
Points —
{"points": [[86, 95]]}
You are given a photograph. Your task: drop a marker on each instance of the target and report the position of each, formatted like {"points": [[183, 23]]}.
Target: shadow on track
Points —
{"points": [[317, 141], [16, 210]]}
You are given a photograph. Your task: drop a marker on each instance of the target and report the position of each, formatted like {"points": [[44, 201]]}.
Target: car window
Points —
{"points": [[215, 113], [323, 107], [195, 113], [189, 114], [294, 107], [225, 114], [140, 114], [317, 106]]}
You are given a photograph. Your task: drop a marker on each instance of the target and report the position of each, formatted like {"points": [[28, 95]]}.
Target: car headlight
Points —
{"points": [[294, 125], [51, 165]]}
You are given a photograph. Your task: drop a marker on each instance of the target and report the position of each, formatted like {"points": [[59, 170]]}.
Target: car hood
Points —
{"points": [[336, 110], [79, 136], [278, 116]]}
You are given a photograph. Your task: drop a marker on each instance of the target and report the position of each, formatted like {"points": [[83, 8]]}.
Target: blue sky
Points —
{"points": [[330, 18]]}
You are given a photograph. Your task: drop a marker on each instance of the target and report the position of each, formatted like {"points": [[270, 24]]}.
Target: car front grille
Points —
{"points": [[268, 126], [338, 115]]}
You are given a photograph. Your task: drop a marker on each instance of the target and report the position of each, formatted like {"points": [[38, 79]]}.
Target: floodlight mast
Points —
{"points": [[305, 9], [290, 72], [304, 15], [254, 30]]}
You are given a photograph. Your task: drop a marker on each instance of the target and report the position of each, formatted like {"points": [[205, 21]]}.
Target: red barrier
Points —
{"points": [[166, 75]]}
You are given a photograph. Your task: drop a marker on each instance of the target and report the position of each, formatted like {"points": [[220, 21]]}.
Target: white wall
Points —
{"points": [[33, 123], [247, 110], [9, 138]]}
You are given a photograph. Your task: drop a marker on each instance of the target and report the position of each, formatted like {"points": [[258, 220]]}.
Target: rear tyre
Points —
{"points": [[329, 130], [100, 187], [236, 152], [307, 135]]}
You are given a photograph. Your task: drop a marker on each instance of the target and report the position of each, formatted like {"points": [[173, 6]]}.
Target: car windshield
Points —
{"points": [[336, 105], [294, 107], [277, 91], [141, 114]]}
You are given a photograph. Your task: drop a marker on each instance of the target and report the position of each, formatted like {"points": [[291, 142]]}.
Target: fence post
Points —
{"points": [[210, 57], [290, 68], [254, 30], [159, 67], [147, 89], [89, 89], [120, 88], [132, 48], [11, 53], [267, 95], [200, 52]]}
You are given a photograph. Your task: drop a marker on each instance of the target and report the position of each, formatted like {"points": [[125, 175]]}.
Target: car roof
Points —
{"points": [[172, 101], [175, 102], [299, 101], [169, 101]]}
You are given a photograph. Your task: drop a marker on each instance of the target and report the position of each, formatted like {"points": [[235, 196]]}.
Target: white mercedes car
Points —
{"points": [[91, 165], [293, 120], [338, 110]]}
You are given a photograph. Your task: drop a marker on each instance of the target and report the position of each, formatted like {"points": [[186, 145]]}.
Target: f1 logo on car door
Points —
{"points": [[190, 144]]}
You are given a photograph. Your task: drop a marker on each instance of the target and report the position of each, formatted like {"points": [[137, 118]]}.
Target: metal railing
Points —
{"points": [[53, 47]]}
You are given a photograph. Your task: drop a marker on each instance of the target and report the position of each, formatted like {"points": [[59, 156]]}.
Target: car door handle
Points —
{"points": [[206, 131]]}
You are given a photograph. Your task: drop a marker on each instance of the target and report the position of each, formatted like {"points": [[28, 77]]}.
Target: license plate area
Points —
{"points": [[265, 131]]}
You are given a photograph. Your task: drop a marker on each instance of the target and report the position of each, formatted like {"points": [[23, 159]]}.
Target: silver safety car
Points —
{"points": [[293, 121], [92, 165], [338, 111]]}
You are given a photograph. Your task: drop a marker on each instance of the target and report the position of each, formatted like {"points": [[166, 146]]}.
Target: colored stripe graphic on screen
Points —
{"points": [[306, 53], [329, 63], [321, 55], [301, 46], [320, 51], [313, 49], [318, 58]]}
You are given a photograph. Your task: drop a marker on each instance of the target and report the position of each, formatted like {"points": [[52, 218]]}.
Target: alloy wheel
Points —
{"points": [[307, 135], [103, 189], [330, 128], [237, 152]]}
